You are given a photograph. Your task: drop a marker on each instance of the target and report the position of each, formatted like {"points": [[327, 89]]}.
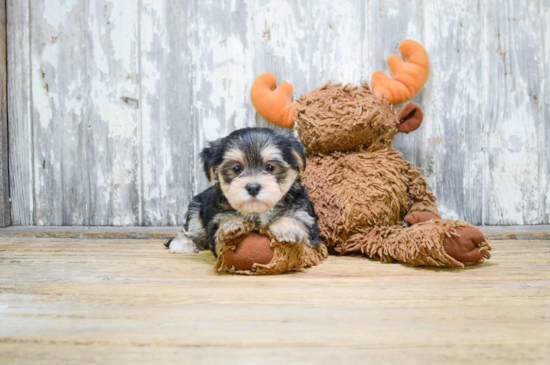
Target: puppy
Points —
{"points": [[256, 185]]}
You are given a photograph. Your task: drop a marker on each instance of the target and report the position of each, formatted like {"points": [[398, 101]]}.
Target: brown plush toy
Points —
{"points": [[361, 188], [260, 253]]}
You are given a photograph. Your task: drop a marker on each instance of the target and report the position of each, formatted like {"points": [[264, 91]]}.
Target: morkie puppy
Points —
{"points": [[256, 185]]}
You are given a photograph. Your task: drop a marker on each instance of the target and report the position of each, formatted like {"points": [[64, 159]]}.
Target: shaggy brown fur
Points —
{"points": [[352, 117], [368, 188], [361, 187], [286, 257]]}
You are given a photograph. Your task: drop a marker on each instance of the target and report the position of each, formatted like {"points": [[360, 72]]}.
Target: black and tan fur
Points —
{"points": [[256, 185]]}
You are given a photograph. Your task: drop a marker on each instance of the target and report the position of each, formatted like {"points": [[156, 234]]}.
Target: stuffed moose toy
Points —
{"points": [[361, 188]]}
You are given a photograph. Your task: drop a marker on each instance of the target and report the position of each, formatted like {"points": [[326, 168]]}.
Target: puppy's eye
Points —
{"points": [[237, 169], [269, 168]]}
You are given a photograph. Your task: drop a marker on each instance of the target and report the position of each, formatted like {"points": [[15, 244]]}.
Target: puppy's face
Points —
{"points": [[254, 179], [257, 167]]}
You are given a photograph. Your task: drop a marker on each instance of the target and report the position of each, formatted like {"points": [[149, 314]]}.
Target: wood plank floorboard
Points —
{"points": [[130, 301]]}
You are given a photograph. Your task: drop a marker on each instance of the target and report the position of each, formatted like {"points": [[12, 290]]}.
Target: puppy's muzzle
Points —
{"points": [[253, 188]]}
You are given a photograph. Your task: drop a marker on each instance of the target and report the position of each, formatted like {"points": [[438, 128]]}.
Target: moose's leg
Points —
{"points": [[441, 242], [463, 247]]}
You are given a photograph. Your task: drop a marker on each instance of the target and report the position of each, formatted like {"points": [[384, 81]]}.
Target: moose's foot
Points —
{"points": [[468, 247]]}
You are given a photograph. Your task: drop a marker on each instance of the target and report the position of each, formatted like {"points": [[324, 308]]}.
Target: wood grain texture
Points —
{"points": [[452, 143], [512, 110], [167, 129], [125, 95], [19, 114], [85, 89], [5, 211], [545, 125], [119, 301], [527, 232]]}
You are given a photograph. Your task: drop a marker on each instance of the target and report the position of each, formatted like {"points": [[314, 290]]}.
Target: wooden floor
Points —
{"points": [[121, 301]]}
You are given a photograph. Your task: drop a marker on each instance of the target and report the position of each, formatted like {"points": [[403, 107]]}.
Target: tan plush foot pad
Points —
{"points": [[469, 246]]}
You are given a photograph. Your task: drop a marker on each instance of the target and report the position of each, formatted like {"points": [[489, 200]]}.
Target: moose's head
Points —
{"points": [[343, 118]]}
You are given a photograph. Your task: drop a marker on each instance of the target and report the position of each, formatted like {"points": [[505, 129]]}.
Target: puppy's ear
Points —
{"points": [[211, 157], [299, 154]]}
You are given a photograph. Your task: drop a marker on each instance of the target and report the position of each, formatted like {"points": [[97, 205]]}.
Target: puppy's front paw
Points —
{"points": [[182, 244], [232, 229], [289, 230]]}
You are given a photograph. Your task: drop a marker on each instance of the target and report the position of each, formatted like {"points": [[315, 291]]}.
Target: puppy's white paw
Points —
{"points": [[232, 229], [183, 244], [289, 230]]}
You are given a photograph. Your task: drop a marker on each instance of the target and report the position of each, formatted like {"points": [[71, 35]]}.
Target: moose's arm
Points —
{"points": [[422, 205]]}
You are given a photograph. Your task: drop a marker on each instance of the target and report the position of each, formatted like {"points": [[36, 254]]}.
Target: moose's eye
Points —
{"points": [[237, 169], [269, 168]]}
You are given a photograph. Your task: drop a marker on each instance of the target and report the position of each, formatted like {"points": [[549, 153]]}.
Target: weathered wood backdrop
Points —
{"points": [[5, 213], [110, 101]]}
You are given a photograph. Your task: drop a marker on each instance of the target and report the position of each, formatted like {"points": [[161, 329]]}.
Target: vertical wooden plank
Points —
{"points": [[545, 125], [5, 215], [114, 140], [452, 142], [308, 43], [512, 111], [222, 67], [85, 111], [19, 113], [59, 95], [167, 110]]}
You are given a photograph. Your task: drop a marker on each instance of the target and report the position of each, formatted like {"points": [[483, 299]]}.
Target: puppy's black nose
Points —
{"points": [[253, 188]]}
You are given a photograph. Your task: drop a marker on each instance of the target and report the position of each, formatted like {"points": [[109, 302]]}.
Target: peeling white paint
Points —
{"points": [[124, 98], [55, 14]]}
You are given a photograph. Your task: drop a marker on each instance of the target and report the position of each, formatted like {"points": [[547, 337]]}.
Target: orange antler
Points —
{"points": [[274, 105], [409, 77]]}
